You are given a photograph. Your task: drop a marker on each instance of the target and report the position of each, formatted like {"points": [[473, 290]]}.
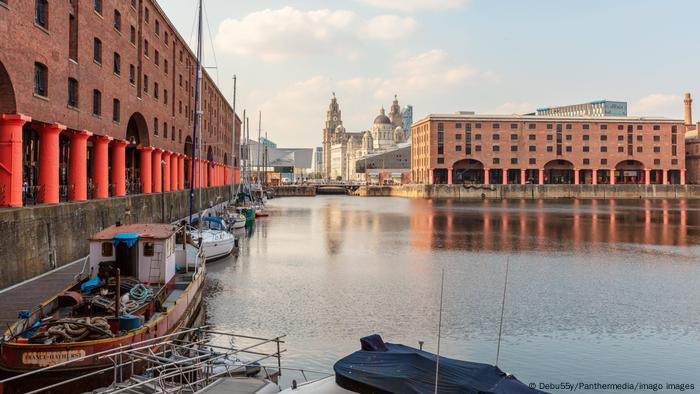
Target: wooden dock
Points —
{"points": [[33, 292]]}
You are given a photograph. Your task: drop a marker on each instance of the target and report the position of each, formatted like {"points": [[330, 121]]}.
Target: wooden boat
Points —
{"points": [[71, 325]]}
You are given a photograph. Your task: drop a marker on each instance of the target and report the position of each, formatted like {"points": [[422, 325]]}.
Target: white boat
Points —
{"points": [[215, 243], [236, 221], [321, 386]]}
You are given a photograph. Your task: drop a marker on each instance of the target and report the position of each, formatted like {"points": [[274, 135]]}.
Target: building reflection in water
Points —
{"points": [[542, 225]]}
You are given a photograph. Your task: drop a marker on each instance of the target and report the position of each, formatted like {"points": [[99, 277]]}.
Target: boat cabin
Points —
{"points": [[147, 252]]}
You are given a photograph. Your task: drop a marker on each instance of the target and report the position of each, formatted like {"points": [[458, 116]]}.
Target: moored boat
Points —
{"points": [[216, 240], [381, 367], [141, 287]]}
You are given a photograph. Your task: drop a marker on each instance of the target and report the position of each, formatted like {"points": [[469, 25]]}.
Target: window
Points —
{"points": [[674, 162], [532, 137], [640, 138], [145, 83], [568, 148], [533, 161], [496, 148], [72, 37], [106, 249], [41, 80], [166, 38], [549, 126], [477, 126], [148, 249], [132, 74], [146, 14], [586, 149], [496, 126], [155, 90], [458, 148], [586, 161], [603, 137], [172, 133], [180, 106], [132, 35], [586, 137], [657, 138], [441, 127], [441, 160], [603, 161], [639, 149], [165, 66], [155, 126], [97, 51], [514, 148], [531, 126], [568, 126], [620, 127], [496, 160], [117, 21], [603, 127], [513, 137], [477, 148], [550, 149], [96, 102], [165, 130], [657, 162], [477, 137], [116, 110], [165, 96], [514, 161], [620, 137], [98, 6], [145, 48], [532, 148], [180, 80], [458, 136], [158, 28], [513, 126], [550, 137], [41, 13], [640, 127], [657, 127], [586, 127], [180, 56], [72, 92], [496, 137], [157, 58], [603, 149], [117, 64]]}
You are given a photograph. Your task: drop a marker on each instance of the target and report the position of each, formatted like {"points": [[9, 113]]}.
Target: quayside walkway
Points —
{"points": [[31, 293]]}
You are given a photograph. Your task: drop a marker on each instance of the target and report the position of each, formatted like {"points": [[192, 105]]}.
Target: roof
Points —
{"points": [[144, 230], [535, 118]]}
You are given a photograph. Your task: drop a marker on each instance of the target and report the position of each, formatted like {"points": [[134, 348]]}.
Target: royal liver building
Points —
{"points": [[341, 148]]}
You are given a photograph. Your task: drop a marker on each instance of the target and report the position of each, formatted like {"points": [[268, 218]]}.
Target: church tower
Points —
{"points": [[395, 114], [333, 120]]}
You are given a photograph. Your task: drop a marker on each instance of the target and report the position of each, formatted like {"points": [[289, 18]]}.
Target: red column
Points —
{"points": [[48, 162], [100, 169], [487, 181], [11, 159], [504, 177], [77, 175], [166, 171], [146, 170], [449, 176], [612, 176], [665, 177], [523, 174], [431, 176], [119, 167], [577, 176], [540, 181], [647, 176], [683, 176], [595, 176], [157, 170], [181, 172], [173, 171]]}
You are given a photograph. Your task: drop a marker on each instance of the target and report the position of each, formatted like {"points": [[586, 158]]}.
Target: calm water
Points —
{"points": [[599, 291]]}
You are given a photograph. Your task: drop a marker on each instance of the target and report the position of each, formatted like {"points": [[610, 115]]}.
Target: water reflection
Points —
{"points": [[540, 225]]}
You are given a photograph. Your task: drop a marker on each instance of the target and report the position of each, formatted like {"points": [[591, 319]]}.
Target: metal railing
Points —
{"points": [[185, 361]]}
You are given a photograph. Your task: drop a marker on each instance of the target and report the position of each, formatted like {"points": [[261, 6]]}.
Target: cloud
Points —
{"points": [[389, 27], [511, 108], [425, 80], [415, 5], [277, 35], [658, 104]]}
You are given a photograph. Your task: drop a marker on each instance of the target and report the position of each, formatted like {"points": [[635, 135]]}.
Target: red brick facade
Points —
{"points": [[153, 82], [534, 149]]}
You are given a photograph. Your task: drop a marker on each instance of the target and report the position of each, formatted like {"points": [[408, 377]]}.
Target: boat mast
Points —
{"points": [[233, 139], [258, 158], [197, 119], [199, 103]]}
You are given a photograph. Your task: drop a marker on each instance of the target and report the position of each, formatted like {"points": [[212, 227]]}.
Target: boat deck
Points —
{"points": [[237, 386], [31, 293]]}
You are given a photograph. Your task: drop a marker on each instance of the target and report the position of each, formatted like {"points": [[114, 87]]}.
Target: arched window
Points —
{"points": [[41, 13], [41, 79], [117, 20]]}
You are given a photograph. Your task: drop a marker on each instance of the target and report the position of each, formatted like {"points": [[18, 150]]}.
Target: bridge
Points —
{"points": [[313, 190]]}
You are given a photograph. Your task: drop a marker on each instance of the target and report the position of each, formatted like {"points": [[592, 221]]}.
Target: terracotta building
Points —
{"points": [[494, 149], [97, 100]]}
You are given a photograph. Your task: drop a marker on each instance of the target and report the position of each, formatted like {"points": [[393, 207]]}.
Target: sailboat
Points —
{"points": [[213, 242]]}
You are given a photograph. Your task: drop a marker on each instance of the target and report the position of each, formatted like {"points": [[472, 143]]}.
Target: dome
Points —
{"points": [[382, 118]]}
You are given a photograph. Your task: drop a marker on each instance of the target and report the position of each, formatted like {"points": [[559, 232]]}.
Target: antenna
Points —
{"points": [[437, 359], [503, 308]]}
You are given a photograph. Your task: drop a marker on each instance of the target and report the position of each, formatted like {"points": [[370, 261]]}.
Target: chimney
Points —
{"points": [[688, 105]]}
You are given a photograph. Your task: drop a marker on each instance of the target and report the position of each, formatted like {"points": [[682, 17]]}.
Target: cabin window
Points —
{"points": [[148, 249], [106, 249]]}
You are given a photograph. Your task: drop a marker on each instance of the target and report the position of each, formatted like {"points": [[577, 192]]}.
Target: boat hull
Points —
{"points": [[219, 248]]}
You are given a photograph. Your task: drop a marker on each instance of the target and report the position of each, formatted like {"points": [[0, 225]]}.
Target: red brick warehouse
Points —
{"points": [[97, 100], [466, 148]]}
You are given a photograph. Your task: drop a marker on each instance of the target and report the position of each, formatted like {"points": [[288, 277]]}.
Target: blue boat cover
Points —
{"points": [[211, 222], [129, 239], [391, 368]]}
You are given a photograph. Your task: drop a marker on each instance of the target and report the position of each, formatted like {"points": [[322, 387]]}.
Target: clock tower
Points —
{"points": [[333, 120]]}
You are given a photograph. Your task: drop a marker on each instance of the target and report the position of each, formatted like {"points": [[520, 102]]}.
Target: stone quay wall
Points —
{"points": [[295, 191], [475, 192], [40, 238]]}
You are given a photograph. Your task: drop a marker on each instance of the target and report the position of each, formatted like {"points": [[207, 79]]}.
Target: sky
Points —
{"points": [[442, 56]]}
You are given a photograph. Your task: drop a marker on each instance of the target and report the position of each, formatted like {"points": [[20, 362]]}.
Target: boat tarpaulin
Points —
{"points": [[129, 239], [391, 368]]}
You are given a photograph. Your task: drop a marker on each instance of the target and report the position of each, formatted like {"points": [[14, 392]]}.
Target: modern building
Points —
{"points": [[267, 142], [496, 149], [97, 100], [318, 160], [407, 115], [594, 108], [392, 166], [292, 164]]}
